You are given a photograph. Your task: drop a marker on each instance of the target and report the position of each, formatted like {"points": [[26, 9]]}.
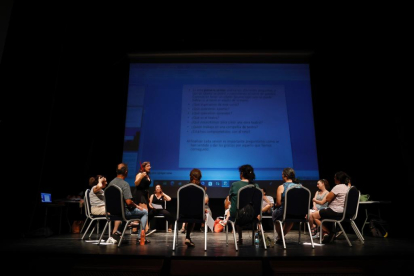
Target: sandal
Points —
{"points": [[314, 231], [189, 243]]}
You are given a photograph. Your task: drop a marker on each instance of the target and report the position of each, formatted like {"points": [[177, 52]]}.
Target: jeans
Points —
{"points": [[138, 212]]}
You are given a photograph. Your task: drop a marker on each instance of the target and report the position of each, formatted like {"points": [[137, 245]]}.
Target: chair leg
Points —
{"points": [[310, 234], [356, 230], [263, 237], [86, 231], [205, 236], [283, 234], [234, 235], [175, 235], [83, 226], [100, 238], [346, 236]]}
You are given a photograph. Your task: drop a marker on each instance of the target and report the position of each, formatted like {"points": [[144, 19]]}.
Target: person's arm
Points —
{"points": [[279, 193], [226, 203], [328, 198], [267, 200], [98, 186], [130, 203], [314, 203], [166, 197], [150, 201], [206, 199], [139, 177]]}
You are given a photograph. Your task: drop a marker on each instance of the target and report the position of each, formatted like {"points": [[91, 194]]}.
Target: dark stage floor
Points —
{"points": [[67, 254]]}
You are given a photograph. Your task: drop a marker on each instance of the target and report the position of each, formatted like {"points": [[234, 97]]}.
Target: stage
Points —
{"points": [[67, 254]]}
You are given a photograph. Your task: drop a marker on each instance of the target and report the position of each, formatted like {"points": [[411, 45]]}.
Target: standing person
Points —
{"points": [[247, 177], [289, 178], [142, 183], [131, 208], [159, 197], [320, 195], [336, 203]]}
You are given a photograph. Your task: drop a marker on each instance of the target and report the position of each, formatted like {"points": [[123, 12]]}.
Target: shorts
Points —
{"points": [[328, 213]]}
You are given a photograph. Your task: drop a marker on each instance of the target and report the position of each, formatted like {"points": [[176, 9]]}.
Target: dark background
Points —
{"points": [[64, 73]]}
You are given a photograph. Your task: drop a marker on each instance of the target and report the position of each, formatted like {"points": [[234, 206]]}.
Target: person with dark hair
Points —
{"points": [[195, 177], [319, 202], [336, 203], [142, 183], [289, 178], [131, 208], [247, 177], [96, 195]]}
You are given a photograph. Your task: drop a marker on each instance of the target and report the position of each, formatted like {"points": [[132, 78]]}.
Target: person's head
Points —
{"points": [[95, 180], [342, 178], [264, 191], [289, 174], [195, 176], [145, 167], [158, 189], [247, 172], [322, 183], [122, 170]]}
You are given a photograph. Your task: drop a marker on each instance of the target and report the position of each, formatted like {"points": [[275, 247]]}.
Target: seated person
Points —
{"points": [[131, 208], [267, 204], [320, 195], [289, 178], [159, 197], [336, 203]]}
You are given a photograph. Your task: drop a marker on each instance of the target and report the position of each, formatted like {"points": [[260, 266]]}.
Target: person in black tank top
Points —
{"points": [[142, 183], [159, 198]]}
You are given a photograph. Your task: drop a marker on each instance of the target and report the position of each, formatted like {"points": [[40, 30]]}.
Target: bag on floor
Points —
{"points": [[77, 226], [218, 227], [378, 228]]}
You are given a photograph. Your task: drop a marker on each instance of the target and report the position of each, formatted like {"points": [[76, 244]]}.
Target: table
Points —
{"points": [[63, 204], [377, 202]]}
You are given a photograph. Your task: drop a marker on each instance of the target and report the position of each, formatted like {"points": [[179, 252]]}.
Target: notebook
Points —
{"points": [[46, 197]]}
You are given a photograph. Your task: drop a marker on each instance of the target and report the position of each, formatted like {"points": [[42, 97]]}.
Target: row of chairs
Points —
{"points": [[191, 209]]}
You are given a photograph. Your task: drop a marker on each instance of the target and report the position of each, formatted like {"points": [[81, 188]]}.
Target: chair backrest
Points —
{"points": [[297, 200], [87, 202], [114, 202], [250, 193], [190, 203], [351, 203]]}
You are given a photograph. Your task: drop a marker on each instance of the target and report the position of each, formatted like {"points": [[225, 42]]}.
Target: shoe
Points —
{"points": [[149, 232], [112, 240], [240, 241], [269, 242], [134, 232], [279, 241], [326, 238], [182, 231], [314, 231], [117, 236], [315, 236], [189, 243]]}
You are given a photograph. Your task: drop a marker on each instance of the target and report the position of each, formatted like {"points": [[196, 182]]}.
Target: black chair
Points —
{"points": [[161, 216], [190, 209], [90, 216], [350, 214], [296, 209], [246, 195], [115, 210]]}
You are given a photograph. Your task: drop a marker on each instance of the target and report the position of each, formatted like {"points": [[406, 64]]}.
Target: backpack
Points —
{"points": [[245, 215], [378, 228]]}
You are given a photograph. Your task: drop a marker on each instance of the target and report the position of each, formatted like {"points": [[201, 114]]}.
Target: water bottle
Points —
{"points": [[256, 240]]}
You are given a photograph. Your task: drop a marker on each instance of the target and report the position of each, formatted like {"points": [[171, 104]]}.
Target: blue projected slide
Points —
{"points": [[217, 117]]}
